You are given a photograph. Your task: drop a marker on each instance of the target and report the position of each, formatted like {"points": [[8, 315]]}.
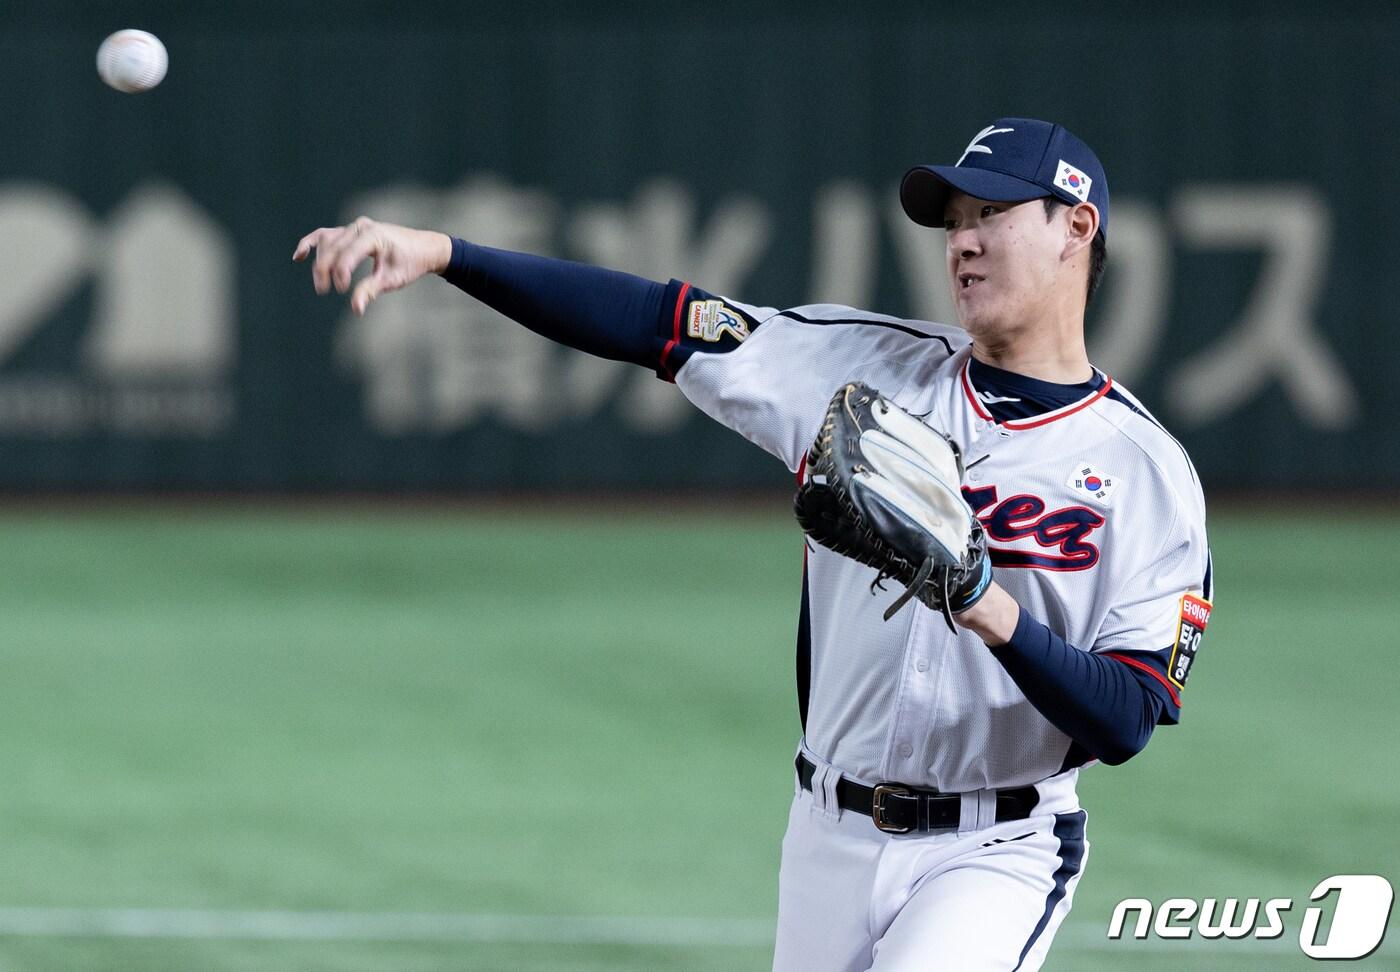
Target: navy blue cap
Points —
{"points": [[1011, 160]]}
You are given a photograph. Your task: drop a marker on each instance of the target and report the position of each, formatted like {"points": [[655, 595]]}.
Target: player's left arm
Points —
{"points": [[1111, 698], [1100, 702]]}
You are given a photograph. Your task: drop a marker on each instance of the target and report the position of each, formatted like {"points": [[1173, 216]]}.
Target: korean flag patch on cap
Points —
{"points": [[1073, 181]]}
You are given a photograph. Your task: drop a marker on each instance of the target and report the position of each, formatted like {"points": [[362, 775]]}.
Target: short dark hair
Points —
{"points": [[1098, 252]]}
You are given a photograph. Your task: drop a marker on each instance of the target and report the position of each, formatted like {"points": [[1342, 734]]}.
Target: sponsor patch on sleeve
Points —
{"points": [[711, 320], [1195, 614]]}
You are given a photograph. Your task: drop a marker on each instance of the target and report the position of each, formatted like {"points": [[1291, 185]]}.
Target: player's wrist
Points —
{"points": [[438, 247], [993, 618]]}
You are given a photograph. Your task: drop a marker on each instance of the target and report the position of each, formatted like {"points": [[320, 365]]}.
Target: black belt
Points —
{"points": [[898, 809]]}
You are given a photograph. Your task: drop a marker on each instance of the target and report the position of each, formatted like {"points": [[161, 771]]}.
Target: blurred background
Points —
{"points": [[416, 642]]}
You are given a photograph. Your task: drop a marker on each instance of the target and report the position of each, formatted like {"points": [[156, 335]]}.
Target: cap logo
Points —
{"points": [[976, 144], [1073, 181]]}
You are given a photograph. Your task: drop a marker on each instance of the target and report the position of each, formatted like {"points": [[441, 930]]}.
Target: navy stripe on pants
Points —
{"points": [[1069, 828]]}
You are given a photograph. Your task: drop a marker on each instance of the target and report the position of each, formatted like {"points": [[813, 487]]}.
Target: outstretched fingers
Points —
{"points": [[309, 242], [360, 242], [371, 286], [339, 249], [395, 251], [327, 242]]}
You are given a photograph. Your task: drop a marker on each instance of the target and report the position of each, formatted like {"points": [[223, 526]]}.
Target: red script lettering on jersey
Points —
{"points": [[1024, 515]]}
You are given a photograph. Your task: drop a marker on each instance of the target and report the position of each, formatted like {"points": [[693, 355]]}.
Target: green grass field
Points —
{"points": [[354, 738]]}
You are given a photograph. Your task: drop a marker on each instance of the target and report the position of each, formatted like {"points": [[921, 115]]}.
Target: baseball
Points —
{"points": [[132, 61]]}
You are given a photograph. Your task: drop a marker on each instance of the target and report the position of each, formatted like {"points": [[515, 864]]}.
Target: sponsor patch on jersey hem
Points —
{"points": [[1195, 614], [711, 320]]}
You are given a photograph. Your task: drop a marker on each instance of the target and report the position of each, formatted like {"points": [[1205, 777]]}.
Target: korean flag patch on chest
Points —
{"points": [[1090, 482]]}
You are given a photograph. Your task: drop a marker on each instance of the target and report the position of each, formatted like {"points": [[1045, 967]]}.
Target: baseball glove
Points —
{"points": [[883, 488]]}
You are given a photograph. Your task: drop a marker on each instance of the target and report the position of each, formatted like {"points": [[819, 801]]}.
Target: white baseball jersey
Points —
{"points": [[1094, 517]]}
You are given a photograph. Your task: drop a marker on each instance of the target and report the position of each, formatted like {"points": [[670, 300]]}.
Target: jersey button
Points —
{"points": [[922, 664], [906, 750]]}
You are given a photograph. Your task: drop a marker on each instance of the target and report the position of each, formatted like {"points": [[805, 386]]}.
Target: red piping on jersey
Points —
{"points": [[675, 330], [1021, 424], [982, 413], [1143, 666]]}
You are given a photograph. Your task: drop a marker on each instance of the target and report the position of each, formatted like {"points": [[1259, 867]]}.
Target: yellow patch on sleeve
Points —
{"points": [[1195, 615]]}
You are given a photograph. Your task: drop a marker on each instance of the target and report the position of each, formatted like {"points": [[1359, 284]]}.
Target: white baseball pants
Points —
{"points": [[852, 899]]}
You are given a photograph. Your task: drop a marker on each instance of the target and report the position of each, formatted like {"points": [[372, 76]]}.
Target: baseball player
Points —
{"points": [[935, 823]]}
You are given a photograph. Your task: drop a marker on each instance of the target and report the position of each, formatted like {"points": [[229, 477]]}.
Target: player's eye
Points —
{"points": [[989, 211], [950, 224]]}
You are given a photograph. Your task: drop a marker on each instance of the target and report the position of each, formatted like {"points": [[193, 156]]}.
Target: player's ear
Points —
{"points": [[1081, 227]]}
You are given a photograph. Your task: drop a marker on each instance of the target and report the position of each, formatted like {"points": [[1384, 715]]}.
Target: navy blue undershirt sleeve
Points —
{"points": [[1097, 701], [604, 312]]}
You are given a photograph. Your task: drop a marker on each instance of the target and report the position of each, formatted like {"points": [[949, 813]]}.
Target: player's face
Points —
{"points": [[1004, 261]]}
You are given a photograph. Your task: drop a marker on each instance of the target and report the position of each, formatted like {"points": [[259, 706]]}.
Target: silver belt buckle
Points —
{"points": [[877, 808]]}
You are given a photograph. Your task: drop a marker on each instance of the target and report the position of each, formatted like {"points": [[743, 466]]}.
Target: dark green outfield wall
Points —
{"points": [[154, 334]]}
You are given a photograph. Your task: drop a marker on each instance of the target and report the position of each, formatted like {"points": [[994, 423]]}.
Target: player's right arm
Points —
{"points": [[765, 373]]}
